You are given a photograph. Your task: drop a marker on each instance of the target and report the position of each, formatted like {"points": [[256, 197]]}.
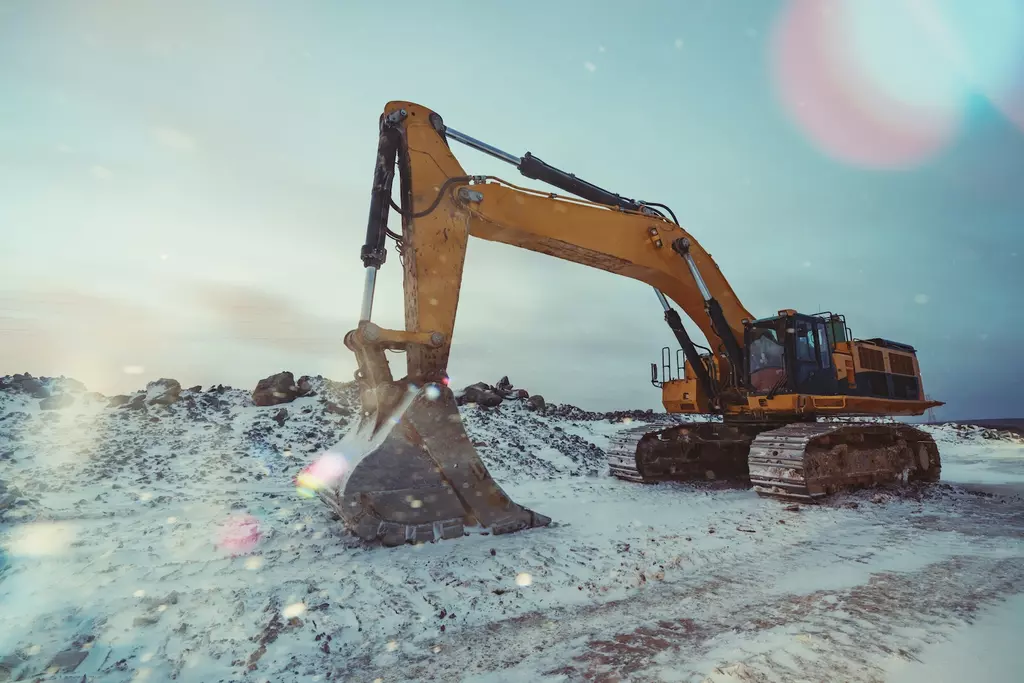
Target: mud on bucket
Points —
{"points": [[409, 473]]}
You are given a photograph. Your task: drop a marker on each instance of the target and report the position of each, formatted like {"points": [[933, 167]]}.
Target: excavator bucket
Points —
{"points": [[408, 473]]}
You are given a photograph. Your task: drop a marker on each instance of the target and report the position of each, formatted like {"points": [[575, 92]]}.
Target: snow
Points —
{"points": [[993, 644], [170, 543], [976, 457]]}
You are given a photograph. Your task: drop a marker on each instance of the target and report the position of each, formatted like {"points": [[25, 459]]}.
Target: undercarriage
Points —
{"points": [[801, 460]]}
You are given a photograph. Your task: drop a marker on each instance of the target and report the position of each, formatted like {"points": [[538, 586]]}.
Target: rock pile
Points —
{"points": [[484, 395], [53, 393], [25, 383], [160, 392], [487, 396], [11, 497], [281, 388]]}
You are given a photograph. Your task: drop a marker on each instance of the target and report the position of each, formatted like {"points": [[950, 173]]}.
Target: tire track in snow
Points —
{"points": [[911, 585]]}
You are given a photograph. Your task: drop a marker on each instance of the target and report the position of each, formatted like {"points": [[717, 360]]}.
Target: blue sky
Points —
{"points": [[184, 186]]}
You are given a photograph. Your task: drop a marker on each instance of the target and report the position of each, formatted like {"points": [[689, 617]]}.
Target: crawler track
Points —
{"points": [[813, 460], [802, 461], [699, 451], [622, 450]]}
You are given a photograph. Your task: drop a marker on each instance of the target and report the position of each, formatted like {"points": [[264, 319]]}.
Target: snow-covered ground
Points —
{"points": [[170, 543]]}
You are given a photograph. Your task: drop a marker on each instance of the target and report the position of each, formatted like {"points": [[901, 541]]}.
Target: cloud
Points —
{"points": [[101, 172], [251, 315], [590, 66], [921, 299], [206, 331], [679, 43], [86, 336], [175, 139]]}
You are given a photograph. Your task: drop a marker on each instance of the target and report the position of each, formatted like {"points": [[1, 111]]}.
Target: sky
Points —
{"points": [[184, 186]]}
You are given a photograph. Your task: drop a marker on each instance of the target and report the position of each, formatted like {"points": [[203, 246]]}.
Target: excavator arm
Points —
{"points": [[407, 471], [442, 206]]}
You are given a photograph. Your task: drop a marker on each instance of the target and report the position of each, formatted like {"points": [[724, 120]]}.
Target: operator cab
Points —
{"points": [[792, 353]]}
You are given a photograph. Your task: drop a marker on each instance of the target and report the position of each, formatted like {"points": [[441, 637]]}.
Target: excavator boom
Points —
{"points": [[442, 207], [407, 471]]}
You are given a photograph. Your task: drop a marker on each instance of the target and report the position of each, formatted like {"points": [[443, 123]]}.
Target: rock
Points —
{"points": [[31, 386], [145, 620], [504, 388], [332, 407], [163, 392], [118, 401], [305, 385], [68, 660], [72, 384], [280, 416], [8, 665], [279, 388], [56, 402], [169, 599], [489, 399], [522, 394], [138, 402], [472, 388], [196, 389], [8, 501], [94, 396], [482, 395], [536, 402]]}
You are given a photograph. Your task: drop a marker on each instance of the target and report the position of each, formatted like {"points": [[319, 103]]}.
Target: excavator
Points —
{"points": [[783, 397]]}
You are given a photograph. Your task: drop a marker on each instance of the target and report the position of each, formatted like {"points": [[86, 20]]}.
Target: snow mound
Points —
{"points": [[160, 536]]}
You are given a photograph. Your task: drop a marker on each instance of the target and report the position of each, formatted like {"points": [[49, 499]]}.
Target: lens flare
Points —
{"points": [[294, 610], [239, 534], [324, 472], [835, 103], [40, 539], [886, 83]]}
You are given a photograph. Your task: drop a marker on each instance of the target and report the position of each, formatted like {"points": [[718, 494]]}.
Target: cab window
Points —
{"points": [[806, 342]]}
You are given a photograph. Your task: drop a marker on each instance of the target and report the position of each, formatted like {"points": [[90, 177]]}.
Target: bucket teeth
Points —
{"points": [[412, 475]]}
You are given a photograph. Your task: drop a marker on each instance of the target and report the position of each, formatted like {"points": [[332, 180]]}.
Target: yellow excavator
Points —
{"points": [[407, 472]]}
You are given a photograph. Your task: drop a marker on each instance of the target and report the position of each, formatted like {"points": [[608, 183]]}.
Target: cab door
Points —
{"points": [[812, 354]]}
